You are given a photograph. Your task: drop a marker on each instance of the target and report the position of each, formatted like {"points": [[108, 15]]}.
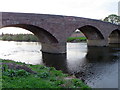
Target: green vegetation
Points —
{"points": [[77, 39], [19, 37], [33, 38], [44, 77], [113, 19]]}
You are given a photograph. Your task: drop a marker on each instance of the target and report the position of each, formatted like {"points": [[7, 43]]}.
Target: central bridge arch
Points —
{"points": [[94, 35]]}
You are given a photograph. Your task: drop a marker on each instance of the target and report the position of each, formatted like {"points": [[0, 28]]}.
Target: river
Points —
{"points": [[96, 66]]}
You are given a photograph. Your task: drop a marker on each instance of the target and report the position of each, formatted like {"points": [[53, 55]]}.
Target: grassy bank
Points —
{"points": [[33, 38], [19, 37], [20, 75], [76, 39]]}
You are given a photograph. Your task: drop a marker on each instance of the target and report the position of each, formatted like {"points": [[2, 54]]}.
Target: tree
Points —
{"points": [[113, 19]]}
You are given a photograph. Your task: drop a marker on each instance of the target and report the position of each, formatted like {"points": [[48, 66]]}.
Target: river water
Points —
{"points": [[96, 66]]}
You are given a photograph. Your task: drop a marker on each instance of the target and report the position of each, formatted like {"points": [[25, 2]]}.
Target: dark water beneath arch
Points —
{"points": [[97, 66]]}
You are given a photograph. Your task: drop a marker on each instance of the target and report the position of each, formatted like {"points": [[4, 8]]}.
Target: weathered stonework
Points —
{"points": [[53, 30]]}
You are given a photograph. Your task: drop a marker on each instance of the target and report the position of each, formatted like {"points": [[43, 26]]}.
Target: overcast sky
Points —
{"points": [[96, 9]]}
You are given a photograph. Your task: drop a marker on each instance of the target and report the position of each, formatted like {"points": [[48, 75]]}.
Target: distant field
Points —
{"points": [[70, 39], [19, 37], [33, 38]]}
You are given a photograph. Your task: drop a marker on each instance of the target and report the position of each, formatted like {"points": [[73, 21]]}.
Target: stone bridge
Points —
{"points": [[53, 30]]}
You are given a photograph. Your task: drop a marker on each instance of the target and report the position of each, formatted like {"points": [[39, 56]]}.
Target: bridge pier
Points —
{"points": [[56, 48], [100, 42]]}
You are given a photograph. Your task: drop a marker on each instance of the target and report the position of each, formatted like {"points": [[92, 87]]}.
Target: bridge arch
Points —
{"points": [[49, 43], [43, 35], [91, 32], [114, 37], [93, 35]]}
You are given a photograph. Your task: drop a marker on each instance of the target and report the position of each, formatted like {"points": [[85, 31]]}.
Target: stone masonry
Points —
{"points": [[53, 30]]}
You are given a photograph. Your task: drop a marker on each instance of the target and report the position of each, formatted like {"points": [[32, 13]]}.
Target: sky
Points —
{"points": [[95, 9], [119, 8]]}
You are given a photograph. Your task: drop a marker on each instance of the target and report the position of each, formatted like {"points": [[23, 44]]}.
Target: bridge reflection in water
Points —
{"points": [[99, 68], [55, 60]]}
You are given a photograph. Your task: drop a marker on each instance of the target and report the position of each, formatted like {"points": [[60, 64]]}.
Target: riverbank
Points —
{"points": [[19, 37], [33, 38], [21, 75], [76, 39]]}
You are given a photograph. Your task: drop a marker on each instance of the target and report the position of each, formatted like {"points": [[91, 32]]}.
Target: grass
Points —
{"points": [[33, 38], [70, 39], [19, 37], [46, 77]]}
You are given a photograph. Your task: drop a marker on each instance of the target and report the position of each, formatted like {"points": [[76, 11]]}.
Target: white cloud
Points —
{"points": [[82, 8]]}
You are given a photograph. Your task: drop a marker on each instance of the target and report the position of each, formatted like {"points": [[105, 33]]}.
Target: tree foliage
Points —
{"points": [[113, 19]]}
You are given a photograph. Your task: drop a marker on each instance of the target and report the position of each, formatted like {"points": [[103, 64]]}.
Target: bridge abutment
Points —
{"points": [[99, 43], [56, 48]]}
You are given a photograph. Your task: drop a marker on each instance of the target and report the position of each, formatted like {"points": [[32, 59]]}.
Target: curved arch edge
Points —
{"points": [[114, 37], [43, 35]]}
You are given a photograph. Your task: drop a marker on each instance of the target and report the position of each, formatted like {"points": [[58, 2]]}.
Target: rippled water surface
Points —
{"points": [[96, 66]]}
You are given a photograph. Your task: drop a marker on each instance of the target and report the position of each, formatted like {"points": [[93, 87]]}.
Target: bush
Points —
{"points": [[19, 37], [70, 39], [44, 75], [22, 73], [59, 82], [15, 73]]}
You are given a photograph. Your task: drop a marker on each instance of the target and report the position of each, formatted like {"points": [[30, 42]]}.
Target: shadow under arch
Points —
{"points": [[91, 32], [114, 37], [94, 35], [43, 35]]}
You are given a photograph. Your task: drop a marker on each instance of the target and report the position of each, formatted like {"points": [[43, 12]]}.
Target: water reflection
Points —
{"points": [[97, 66], [55, 60], [100, 67], [101, 54]]}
